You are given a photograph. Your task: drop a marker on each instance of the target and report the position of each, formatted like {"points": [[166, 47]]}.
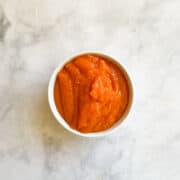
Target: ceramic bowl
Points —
{"points": [[60, 119]]}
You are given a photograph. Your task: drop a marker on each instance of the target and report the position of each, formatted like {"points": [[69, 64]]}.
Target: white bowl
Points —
{"points": [[60, 119]]}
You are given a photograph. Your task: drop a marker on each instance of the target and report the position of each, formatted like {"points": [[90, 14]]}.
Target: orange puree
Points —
{"points": [[91, 93]]}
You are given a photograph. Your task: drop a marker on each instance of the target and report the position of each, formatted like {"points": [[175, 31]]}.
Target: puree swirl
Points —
{"points": [[91, 93]]}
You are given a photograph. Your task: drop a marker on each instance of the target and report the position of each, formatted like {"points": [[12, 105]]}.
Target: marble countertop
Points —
{"points": [[35, 35]]}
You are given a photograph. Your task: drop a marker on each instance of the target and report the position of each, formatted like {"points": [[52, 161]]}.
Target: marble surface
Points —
{"points": [[35, 35]]}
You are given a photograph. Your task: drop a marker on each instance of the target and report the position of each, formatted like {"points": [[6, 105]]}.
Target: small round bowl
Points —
{"points": [[60, 119]]}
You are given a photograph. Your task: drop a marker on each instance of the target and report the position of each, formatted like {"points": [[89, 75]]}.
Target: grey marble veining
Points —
{"points": [[36, 35]]}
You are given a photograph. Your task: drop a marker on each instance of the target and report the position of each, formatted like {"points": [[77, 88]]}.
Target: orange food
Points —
{"points": [[91, 93]]}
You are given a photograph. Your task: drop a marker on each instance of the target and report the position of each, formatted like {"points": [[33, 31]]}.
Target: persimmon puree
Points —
{"points": [[91, 93]]}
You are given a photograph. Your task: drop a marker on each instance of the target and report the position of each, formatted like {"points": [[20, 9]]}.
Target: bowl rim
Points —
{"points": [[58, 116]]}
